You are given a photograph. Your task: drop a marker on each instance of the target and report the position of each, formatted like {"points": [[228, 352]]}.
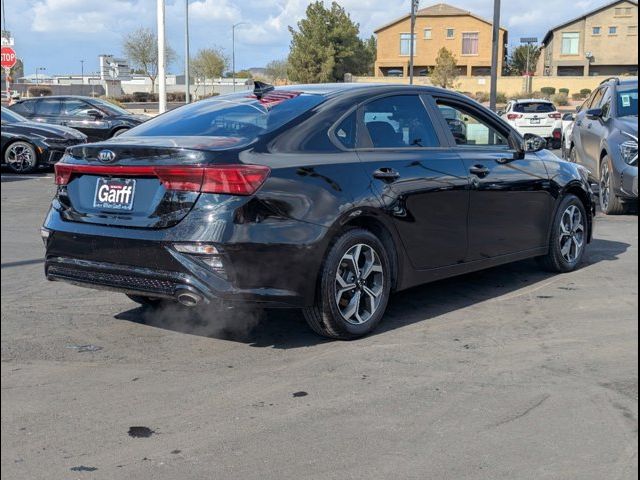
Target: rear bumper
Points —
{"points": [[541, 131]]}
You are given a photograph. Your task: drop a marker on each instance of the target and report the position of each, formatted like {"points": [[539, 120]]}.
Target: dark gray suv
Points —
{"points": [[605, 140]]}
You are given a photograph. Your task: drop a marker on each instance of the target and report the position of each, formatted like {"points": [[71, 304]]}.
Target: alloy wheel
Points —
{"points": [[605, 186], [20, 157], [359, 284], [572, 234]]}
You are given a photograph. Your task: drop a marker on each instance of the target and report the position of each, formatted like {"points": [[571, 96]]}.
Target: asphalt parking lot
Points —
{"points": [[510, 373]]}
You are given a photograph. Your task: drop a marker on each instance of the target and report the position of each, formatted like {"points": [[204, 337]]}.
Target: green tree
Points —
{"points": [[141, 48], [209, 63], [445, 73], [326, 46], [523, 57], [277, 70]]}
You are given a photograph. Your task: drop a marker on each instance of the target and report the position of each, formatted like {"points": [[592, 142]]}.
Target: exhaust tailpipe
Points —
{"points": [[188, 299]]}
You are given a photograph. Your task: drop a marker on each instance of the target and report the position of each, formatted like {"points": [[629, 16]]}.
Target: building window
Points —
{"points": [[451, 33], [571, 43], [623, 12], [596, 30], [470, 43], [405, 44], [632, 30], [427, 34], [613, 30]]}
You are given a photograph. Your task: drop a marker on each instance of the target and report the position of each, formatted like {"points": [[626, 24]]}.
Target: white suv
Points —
{"points": [[535, 117]]}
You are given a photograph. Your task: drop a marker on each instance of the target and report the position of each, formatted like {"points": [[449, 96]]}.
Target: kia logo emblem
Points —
{"points": [[106, 156]]}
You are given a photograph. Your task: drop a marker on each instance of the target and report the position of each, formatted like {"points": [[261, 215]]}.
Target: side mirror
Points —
{"points": [[517, 146], [500, 113], [94, 113], [594, 114], [534, 143]]}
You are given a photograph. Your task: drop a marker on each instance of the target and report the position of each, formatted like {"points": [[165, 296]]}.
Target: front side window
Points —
{"points": [[48, 106], [405, 44], [469, 130], [597, 98], [571, 43], [399, 122], [470, 43], [75, 108]]}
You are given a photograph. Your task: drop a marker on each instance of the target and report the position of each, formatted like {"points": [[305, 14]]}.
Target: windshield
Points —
{"points": [[111, 108], [240, 117], [628, 102], [11, 117], [534, 107]]}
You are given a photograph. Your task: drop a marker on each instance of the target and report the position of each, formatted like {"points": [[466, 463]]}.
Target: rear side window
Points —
{"points": [[238, 117], [399, 122], [23, 108], [534, 107], [346, 131], [627, 102], [48, 106]]}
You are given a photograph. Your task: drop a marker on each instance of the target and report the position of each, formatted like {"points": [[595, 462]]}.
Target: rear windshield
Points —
{"points": [[534, 107], [23, 108], [628, 102], [239, 116]]}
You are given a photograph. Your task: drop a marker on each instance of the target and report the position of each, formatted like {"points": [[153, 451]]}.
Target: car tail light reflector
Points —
{"points": [[513, 116], [555, 115], [225, 179]]}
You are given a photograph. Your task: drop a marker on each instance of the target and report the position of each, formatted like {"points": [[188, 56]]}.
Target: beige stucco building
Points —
{"points": [[601, 42], [467, 35]]}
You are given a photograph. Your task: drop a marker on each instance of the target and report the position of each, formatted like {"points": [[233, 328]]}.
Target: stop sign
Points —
{"points": [[8, 57]]}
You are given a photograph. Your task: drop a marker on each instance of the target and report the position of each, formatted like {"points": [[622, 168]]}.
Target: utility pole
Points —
{"points": [[187, 93], [494, 55], [162, 71], [414, 10], [233, 52]]}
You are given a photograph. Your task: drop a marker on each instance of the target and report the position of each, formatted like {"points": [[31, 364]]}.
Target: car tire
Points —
{"points": [[21, 157], [569, 236], [118, 132], [350, 302], [146, 301], [610, 203]]}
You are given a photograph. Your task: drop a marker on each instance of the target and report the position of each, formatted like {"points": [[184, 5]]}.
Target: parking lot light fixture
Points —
{"points": [[233, 52]]}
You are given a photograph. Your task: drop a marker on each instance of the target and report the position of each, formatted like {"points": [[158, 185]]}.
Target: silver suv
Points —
{"points": [[605, 140]]}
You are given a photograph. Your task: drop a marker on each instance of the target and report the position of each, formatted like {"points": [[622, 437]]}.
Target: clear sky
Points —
{"points": [[57, 34]]}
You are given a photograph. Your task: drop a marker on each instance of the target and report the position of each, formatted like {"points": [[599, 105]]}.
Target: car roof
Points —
{"points": [[532, 100], [59, 97]]}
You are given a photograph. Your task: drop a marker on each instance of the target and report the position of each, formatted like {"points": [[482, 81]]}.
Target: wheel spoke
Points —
{"points": [[353, 306]]}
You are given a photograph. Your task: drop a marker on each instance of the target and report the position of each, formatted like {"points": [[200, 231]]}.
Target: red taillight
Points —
{"points": [[557, 133], [556, 115], [513, 116], [226, 179]]}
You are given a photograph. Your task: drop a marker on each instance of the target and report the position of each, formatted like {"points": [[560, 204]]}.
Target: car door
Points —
{"points": [[582, 134], [592, 132], [421, 184], [76, 113], [510, 200], [47, 110]]}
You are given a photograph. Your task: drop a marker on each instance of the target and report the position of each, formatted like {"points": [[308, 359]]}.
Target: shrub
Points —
{"points": [[501, 98], [482, 97], [126, 98], [586, 92], [115, 101], [564, 90], [578, 96], [39, 91], [176, 96], [548, 91], [560, 99], [144, 97]]}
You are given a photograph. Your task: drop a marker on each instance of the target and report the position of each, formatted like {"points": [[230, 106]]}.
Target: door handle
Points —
{"points": [[386, 174], [479, 170]]}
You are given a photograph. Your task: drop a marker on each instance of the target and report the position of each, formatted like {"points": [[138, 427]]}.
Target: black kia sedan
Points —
{"points": [[95, 117], [28, 145], [326, 198]]}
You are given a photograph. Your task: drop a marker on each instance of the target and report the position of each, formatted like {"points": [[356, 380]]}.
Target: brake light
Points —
{"points": [[225, 179], [557, 133], [555, 115], [513, 116]]}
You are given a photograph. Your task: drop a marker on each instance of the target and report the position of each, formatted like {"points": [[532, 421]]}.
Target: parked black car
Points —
{"points": [[325, 197], [96, 118], [605, 140], [27, 145]]}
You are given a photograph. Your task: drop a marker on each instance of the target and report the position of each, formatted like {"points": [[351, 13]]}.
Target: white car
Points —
{"points": [[535, 117]]}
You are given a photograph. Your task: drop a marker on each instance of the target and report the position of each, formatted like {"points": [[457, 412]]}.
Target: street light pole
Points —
{"points": [[81, 77], [414, 10], [233, 52], [187, 93], [494, 55], [162, 72]]}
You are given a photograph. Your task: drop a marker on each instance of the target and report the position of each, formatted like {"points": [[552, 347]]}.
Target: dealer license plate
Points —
{"points": [[114, 193]]}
